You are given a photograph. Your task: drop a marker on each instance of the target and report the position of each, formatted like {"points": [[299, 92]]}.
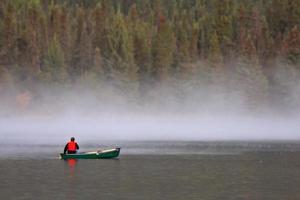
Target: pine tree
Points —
{"points": [[141, 48], [204, 26], [54, 70], [64, 33], [100, 23], [9, 49], [250, 77], [135, 43], [123, 70], [163, 47], [291, 46], [33, 37], [223, 20], [120, 42], [215, 55], [98, 64], [183, 32], [81, 60]]}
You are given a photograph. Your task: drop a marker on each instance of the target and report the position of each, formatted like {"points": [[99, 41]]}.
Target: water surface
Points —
{"points": [[155, 170]]}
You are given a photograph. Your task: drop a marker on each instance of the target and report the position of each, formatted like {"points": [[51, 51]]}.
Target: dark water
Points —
{"points": [[156, 170]]}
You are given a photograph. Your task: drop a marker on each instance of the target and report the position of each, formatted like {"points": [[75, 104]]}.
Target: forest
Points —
{"points": [[182, 54]]}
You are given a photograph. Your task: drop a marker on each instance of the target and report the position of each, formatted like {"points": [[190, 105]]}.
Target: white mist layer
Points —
{"points": [[58, 130]]}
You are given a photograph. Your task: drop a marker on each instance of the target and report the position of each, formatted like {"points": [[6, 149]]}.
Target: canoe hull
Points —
{"points": [[106, 154]]}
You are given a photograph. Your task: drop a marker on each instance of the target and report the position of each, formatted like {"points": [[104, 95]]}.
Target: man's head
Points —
{"points": [[72, 139]]}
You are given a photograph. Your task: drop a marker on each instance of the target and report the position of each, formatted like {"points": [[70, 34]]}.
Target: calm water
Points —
{"points": [[155, 170]]}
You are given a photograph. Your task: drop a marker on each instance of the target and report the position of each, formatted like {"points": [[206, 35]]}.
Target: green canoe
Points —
{"points": [[100, 154]]}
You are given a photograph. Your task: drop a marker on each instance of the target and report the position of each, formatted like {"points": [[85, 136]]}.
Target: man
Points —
{"points": [[71, 147]]}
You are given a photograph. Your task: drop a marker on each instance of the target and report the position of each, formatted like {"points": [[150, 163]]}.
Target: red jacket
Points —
{"points": [[72, 146]]}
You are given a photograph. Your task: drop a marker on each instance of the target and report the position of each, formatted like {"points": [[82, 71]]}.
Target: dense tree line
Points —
{"points": [[147, 48]]}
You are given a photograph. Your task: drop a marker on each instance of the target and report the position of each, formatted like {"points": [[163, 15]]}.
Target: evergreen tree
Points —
{"points": [[141, 48], [136, 43], [215, 56], [120, 42], [54, 70], [98, 64], [82, 47], [223, 20], [9, 49], [100, 19], [163, 47], [291, 46], [33, 37], [251, 80], [183, 30]]}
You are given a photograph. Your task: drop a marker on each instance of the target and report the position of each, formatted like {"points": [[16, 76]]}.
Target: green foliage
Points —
{"points": [[54, 70], [120, 42], [163, 48], [215, 55], [9, 48], [136, 43], [291, 46], [1, 35]]}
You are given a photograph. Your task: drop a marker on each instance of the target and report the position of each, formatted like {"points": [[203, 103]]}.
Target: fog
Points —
{"points": [[97, 128], [51, 115]]}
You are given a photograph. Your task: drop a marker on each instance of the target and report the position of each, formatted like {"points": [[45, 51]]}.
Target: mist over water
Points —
{"points": [[92, 116], [201, 97], [58, 129]]}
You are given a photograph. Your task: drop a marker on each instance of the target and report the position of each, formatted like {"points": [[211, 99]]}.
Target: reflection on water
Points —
{"points": [[70, 173], [272, 172], [72, 163]]}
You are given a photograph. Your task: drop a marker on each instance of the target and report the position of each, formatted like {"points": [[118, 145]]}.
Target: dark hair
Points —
{"points": [[72, 138]]}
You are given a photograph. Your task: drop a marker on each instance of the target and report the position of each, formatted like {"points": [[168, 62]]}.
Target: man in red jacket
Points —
{"points": [[71, 147]]}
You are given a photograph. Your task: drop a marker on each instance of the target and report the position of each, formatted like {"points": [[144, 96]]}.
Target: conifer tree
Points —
{"points": [[137, 43], [163, 47], [9, 32], [54, 70], [123, 70], [141, 49], [291, 46], [215, 55], [183, 28], [224, 25], [100, 23], [120, 42], [250, 77], [33, 37], [82, 48], [98, 64]]}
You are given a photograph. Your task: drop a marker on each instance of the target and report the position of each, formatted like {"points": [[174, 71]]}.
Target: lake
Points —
{"points": [[154, 170]]}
